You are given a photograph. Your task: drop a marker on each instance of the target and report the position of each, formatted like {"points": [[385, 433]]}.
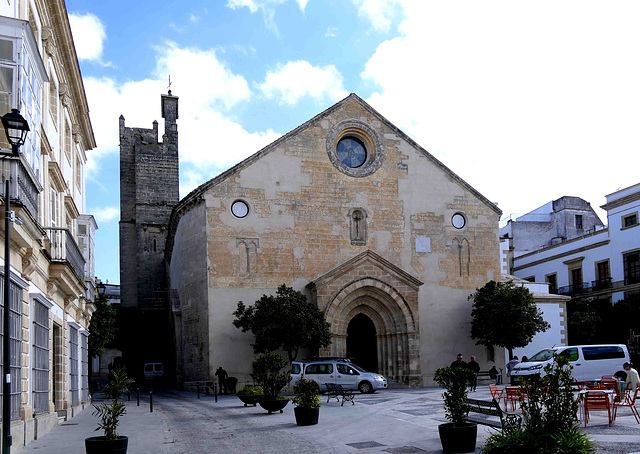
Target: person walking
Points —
{"points": [[475, 367], [458, 362], [510, 365], [222, 378]]}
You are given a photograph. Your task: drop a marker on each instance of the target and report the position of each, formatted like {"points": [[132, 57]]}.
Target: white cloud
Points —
{"points": [[379, 12], [331, 32], [89, 35], [210, 139], [528, 103], [106, 214], [295, 80]]}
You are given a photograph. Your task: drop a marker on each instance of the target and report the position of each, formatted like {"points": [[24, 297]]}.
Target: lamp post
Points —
{"points": [[16, 128], [102, 289]]}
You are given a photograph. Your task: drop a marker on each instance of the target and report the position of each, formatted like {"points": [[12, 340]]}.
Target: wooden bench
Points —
{"points": [[508, 421], [338, 391]]}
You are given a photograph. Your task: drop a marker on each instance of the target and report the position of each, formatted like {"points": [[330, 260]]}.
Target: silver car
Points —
{"points": [[339, 371]]}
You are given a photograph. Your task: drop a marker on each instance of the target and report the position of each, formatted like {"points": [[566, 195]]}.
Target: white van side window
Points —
{"points": [[603, 352], [570, 353]]}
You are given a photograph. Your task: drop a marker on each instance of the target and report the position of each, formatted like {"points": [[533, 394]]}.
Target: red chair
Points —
{"points": [[596, 401], [612, 384], [496, 393], [629, 400], [512, 394]]}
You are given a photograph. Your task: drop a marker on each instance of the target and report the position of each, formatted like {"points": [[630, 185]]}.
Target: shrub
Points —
{"points": [[550, 418], [306, 394], [455, 380], [267, 373], [250, 391], [109, 414]]}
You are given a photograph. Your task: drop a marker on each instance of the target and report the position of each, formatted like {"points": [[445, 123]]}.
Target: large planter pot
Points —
{"points": [[251, 399], [100, 445], [273, 405], [306, 416], [458, 437]]}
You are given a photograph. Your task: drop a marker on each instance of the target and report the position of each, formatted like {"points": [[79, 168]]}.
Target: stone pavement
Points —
{"points": [[393, 421]]}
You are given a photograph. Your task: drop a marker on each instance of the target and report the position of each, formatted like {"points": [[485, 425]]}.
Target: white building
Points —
{"points": [[51, 281], [603, 264]]}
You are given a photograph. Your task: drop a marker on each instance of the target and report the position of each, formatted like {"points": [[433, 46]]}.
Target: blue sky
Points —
{"points": [[526, 101]]}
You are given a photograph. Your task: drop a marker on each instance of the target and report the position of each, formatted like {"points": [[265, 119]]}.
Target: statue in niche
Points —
{"points": [[358, 226]]}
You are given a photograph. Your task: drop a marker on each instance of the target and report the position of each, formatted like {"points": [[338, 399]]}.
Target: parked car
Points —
{"points": [[590, 362], [340, 371], [153, 371]]}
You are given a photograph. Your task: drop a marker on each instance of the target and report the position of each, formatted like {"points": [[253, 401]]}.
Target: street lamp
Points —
{"points": [[16, 128], [102, 289]]}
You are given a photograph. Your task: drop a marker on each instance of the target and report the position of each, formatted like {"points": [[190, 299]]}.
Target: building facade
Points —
{"points": [[346, 208], [148, 192], [603, 264], [52, 283]]}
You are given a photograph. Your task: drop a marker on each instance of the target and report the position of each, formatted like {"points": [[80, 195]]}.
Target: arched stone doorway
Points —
{"points": [[362, 345], [369, 290]]}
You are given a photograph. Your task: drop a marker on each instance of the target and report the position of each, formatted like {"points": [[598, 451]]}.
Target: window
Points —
{"points": [[576, 280], [602, 352], [355, 148], [346, 370], [67, 141], [552, 279], [323, 369], [458, 220], [579, 221], [84, 358], [240, 209], [54, 211], [631, 268], [6, 82], [15, 327], [73, 366], [40, 358], [630, 220], [78, 168], [603, 277], [570, 353]]}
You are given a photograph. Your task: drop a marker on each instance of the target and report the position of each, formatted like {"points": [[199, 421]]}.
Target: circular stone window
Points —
{"points": [[239, 209], [458, 221], [355, 148], [351, 152]]}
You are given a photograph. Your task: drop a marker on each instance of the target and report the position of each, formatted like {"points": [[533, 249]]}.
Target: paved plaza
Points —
{"points": [[395, 421]]}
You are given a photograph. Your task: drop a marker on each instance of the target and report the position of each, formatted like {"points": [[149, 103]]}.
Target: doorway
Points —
{"points": [[362, 345]]}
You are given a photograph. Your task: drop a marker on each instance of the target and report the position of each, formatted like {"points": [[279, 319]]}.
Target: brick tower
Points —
{"points": [[149, 189]]}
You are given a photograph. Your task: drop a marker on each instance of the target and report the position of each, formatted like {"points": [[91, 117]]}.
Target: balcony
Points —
{"points": [[67, 265], [602, 286], [26, 191]]}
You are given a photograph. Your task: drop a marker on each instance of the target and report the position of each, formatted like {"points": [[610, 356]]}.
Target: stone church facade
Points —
{"points": [[348, 209]]}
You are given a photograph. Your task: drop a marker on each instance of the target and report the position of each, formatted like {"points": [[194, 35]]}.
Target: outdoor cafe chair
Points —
{"points": [[513, 395], [596, 401], [608, 383], [629, 400], [496, 393]]}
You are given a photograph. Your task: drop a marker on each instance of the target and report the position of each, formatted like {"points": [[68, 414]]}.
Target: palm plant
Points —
{"points": [[110, 414]]}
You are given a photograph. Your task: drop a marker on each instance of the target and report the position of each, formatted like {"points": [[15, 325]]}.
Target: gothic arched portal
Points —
{"points": [[372, 308], [362, 346]]}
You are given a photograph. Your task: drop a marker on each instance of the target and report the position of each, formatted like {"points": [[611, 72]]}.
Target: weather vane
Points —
{"points": [[169, 87]]}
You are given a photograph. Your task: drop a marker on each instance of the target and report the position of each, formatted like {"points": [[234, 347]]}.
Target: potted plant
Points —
{"points": [[457, 435], [250, 395], [109, 414], [267, 372], [307, 401]]}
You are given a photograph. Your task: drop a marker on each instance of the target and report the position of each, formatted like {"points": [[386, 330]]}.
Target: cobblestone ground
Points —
{"points": [[390, 421]]}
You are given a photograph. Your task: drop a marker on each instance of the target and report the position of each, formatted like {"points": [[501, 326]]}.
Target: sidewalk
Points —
{"points": [[145, 430]]}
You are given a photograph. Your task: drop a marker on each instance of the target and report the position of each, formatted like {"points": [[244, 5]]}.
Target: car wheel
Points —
{"points": [[365, 387]]}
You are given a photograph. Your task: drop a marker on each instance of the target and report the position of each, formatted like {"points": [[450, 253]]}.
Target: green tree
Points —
{"points": [[506, 315], [286, 321], [102, 328]]}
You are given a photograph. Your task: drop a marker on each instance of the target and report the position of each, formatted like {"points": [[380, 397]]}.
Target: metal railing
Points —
{"points": [[596, 286], [63, 248], [26, 191]]}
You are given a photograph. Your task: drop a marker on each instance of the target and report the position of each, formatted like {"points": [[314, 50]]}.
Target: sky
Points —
{"points": [[527, 101]]}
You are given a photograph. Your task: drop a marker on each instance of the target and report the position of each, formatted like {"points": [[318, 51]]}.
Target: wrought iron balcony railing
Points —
{"points": [[26, 191], [63, 248]]}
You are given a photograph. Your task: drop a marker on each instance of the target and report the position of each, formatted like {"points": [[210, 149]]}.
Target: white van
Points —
{"points": [[590, 362], [153, 371]]}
